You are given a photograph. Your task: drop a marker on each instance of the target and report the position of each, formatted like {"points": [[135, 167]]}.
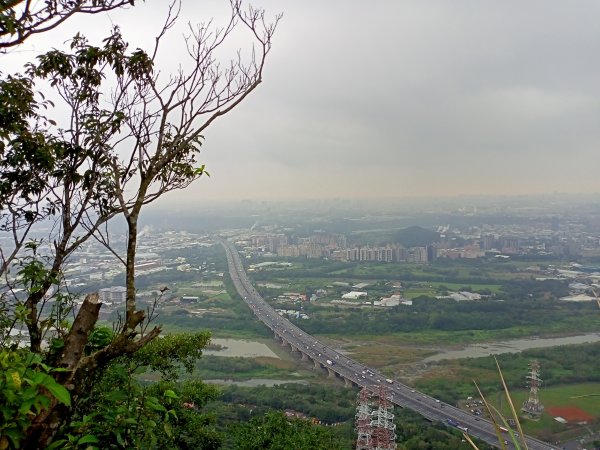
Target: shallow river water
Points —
{"points": [[254, 382], [512, 346], [239, 347], [244, 348]]}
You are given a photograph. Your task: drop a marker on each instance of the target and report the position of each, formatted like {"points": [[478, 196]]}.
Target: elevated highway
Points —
{"points": [[353, 372]]}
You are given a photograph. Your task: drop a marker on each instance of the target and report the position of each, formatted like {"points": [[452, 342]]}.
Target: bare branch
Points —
{"points": [[20, 21]]}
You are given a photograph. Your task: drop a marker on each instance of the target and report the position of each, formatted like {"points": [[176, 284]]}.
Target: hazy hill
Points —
{"points": [[415, 236]]}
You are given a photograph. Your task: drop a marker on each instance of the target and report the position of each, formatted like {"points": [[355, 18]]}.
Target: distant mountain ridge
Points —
{"points": [[416, 236]]}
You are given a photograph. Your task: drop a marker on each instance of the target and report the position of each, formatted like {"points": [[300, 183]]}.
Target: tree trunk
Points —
{"points": [[130, 272], [45, 425]]}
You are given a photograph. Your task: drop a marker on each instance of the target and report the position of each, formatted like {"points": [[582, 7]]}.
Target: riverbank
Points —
{"points": [[511, 346]]}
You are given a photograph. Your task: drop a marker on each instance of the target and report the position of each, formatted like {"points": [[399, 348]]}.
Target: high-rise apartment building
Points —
{"points": [[113, 295]]}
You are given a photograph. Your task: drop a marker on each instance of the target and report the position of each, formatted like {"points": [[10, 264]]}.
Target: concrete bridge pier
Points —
{"points": [[348, 383], [304, 357], [330, 373], [317, 364]]}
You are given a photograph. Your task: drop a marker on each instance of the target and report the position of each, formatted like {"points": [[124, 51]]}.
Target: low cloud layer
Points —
{"points": [[408, 98]]}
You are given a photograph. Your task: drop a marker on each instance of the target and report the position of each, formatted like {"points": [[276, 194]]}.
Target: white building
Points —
{"points": [[462, 296], [578, 298], [113, 295], [354, 295], [392, 300]]}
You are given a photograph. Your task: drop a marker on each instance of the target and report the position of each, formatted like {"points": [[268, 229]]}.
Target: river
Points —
{"points": [[250, 349], [512, 346], [254, 382], [239, 347]]}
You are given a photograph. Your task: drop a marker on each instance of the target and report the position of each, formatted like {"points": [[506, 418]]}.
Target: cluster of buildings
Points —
{"points": [[388, 253], [551, 238], [318, 245], [584, 283], [94, 264], [333, 246], [566, 237], [359, 296]]}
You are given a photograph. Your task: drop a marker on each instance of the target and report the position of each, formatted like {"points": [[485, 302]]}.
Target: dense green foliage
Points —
{"points": [[516, 302], [326, 403], [120, 412], [415, 433], [274, 431], [232, 314], [560, 365], [237, 368], [243, 404], [447, 271], [26, 388], [230, 320], [447, 315], [322, 403]]}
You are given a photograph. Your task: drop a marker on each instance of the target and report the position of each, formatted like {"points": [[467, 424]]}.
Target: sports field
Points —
{"points": [[575, 399]]}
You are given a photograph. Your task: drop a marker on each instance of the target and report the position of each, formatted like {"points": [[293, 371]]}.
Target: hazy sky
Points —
{"points": [[404, 98]]}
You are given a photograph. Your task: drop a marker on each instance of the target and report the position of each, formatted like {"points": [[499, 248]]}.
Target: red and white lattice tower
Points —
{"points": [[382, 422], [532, 405], [363, 420], [375, 421]]}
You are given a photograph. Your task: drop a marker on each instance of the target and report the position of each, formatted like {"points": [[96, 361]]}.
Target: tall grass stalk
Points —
{"points": [[496, 416]]}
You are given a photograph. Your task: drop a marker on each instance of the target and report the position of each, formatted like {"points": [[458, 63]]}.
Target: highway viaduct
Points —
{"points": [[353, 372]]}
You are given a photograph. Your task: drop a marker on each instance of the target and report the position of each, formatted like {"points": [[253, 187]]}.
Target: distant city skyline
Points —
{"points": [[396, 99]]}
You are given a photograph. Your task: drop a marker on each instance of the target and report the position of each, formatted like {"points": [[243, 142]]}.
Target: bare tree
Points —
{"points": [[20, 19], [133, 136]]}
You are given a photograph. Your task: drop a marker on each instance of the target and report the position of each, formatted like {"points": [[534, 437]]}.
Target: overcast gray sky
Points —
{"points": [[405, 98]]}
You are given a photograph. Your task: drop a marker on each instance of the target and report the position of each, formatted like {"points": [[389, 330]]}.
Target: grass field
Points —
{"points": [[436, 338], [495, 288], [265, 368], [220, 297], [386, 355], [585, 396]]}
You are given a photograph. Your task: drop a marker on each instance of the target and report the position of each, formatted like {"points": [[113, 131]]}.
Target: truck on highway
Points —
{"points": [[455, 424], [387, 380], [330, 362]]}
